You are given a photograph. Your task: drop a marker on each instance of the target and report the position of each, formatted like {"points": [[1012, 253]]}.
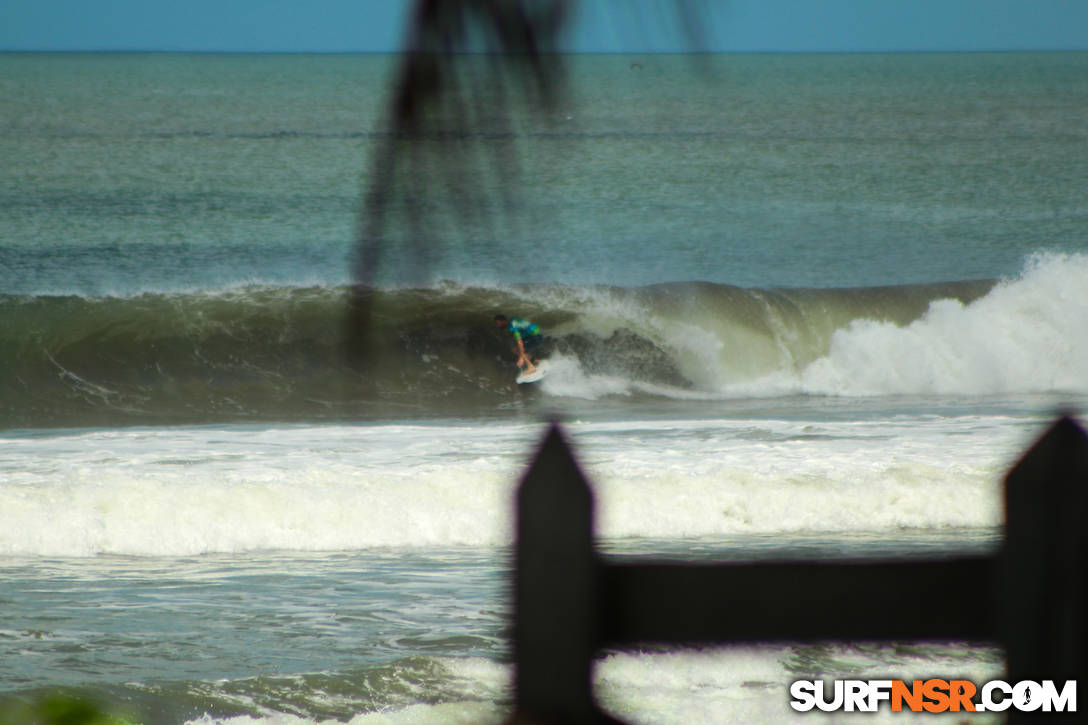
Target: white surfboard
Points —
{"points": [[540, 372]]}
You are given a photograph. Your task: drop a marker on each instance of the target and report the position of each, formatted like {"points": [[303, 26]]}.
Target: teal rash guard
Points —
{"points": [[523, 329]]}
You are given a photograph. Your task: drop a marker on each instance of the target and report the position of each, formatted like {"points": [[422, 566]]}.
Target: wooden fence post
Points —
{"points": [[1044, 568], [555, 590]]}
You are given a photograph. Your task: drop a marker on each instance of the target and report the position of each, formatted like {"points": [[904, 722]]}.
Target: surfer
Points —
{"points": [[527, 339]]}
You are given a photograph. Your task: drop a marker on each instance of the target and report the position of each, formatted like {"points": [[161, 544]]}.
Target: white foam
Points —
{"points": [[478, 690], [567, 378], [751, 684], [192, 491], [783, 476], [717, 686], [1027, 335], [720, 686]]}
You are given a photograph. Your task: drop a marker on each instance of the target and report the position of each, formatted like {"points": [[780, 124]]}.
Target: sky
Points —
{"points": [[601, 25]]}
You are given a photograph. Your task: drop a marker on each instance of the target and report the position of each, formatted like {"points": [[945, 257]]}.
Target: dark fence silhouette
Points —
{"points": [[1029, 597]]}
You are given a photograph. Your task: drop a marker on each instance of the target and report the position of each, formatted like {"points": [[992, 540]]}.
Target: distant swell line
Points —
{"points": [[720, 134]]}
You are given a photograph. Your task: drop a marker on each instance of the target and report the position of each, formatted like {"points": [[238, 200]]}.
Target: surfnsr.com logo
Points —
{"points": [[933, 695]]}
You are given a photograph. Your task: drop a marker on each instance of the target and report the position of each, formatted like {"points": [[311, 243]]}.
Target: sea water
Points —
{"points": [[797, 306]]}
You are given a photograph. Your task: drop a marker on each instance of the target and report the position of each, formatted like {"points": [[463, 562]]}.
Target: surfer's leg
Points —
{"points": [[532, 348]]}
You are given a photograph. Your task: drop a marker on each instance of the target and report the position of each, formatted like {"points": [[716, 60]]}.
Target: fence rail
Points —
{"points": [[1029, 597]]}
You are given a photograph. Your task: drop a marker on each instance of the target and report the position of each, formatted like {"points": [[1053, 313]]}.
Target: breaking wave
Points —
{"points": [[278, 353]]}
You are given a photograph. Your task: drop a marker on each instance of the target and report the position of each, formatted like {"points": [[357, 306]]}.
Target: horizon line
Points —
{"points": [[164, 51]]}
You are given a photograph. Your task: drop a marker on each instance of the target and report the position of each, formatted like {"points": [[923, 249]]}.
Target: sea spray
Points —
{"points": [[1029, 334]]}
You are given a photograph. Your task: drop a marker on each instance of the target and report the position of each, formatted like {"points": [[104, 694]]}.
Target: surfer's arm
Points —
{"points": [[523, 359]]}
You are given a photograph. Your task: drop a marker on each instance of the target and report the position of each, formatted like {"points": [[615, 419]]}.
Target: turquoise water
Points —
{"points": [[163, 172], [798, 306]]}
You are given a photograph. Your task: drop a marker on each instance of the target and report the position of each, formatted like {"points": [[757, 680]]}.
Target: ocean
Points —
{"points": [[797, 306]]}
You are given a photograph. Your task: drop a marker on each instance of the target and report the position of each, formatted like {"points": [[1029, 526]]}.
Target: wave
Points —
{"points": [[723, 685], [707, 685], [170, 505], [278, 353]]}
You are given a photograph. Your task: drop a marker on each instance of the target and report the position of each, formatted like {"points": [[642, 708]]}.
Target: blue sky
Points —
{"points": [[602, 25]]}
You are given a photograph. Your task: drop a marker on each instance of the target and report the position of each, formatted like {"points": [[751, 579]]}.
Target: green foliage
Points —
{"points": [[58, 709]]}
